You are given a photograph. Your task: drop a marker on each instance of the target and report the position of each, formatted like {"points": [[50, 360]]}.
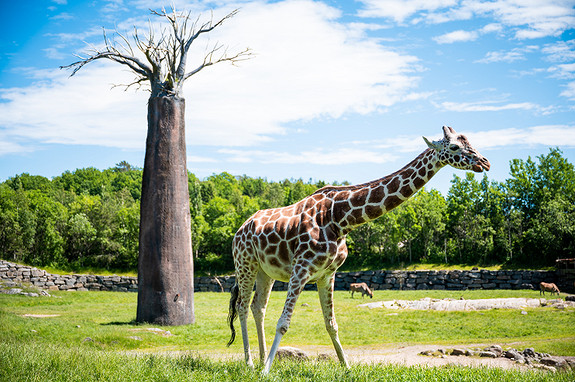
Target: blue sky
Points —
{"points": [[337, 90]]}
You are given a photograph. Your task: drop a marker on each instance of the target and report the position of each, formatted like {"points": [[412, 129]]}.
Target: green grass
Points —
{"points": [[32, 362], [98, 329]]}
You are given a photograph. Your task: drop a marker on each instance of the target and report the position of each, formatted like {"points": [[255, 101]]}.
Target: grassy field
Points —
{"points": [[92, 336]]}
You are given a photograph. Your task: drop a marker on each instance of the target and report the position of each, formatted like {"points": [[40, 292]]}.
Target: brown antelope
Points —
{"points": [[548, 287], [360, 288]]}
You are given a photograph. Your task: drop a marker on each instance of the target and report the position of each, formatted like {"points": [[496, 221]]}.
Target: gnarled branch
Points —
{"points": [[163, 60]]}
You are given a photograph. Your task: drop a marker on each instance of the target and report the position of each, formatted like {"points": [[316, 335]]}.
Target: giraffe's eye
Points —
{"points": [[454, 147]]}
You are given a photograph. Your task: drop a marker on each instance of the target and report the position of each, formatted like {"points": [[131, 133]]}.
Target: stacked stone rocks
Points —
{"points": [[15, 274], [377, 280], [527, 357]]}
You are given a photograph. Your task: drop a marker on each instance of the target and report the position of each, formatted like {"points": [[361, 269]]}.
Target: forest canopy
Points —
{"points": [[89, 218]]}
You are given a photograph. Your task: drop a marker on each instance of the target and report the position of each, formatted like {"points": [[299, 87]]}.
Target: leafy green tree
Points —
{"points": [[48, 246], [80, 239]]}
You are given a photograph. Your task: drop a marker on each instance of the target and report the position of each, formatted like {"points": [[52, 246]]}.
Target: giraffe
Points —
{"points": [[306, 242]]}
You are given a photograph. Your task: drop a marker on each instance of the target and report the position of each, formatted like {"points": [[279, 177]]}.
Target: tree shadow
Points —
{"points": [[122, 323]]}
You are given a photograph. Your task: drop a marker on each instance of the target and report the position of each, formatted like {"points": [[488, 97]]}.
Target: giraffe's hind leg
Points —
{"points": [[325, 291], [246, 276], [264, 285]]}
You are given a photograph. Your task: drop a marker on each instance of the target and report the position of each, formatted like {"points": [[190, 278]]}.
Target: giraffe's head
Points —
{"points": [[455, 150]]}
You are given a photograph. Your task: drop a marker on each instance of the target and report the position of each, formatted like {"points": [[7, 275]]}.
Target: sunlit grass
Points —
{"points": [[32, 362], [97, 330], [107, 318]]}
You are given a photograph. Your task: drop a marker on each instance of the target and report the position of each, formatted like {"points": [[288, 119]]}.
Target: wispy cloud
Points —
{"points": [[484, 106], [456, 36], [400, 10], [560, 51], [525, 19], [547, 135], [320, 156], [515, 54], [569, 91], [464, 36]]}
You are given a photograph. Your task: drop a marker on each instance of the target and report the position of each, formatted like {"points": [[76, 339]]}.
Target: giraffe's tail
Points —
{"points": [[233, 311]]}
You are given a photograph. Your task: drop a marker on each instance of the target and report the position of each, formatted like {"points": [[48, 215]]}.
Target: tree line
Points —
{"points": [[89, 218]]}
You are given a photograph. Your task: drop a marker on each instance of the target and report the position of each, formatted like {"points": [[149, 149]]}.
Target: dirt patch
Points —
{"points": [[451, 305], [40, 315], [410, 356]]}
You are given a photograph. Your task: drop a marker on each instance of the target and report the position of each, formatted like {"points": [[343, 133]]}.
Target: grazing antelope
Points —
{"points": [[548, 287], [360, 288]]}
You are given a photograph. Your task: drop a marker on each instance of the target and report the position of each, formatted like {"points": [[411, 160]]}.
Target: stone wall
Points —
{"points": [[12, 274]]}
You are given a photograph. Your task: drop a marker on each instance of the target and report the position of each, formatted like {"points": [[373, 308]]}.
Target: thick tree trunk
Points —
{"points": [[165, 266]]}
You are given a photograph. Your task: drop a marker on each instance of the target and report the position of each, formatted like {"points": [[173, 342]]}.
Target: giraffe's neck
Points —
{"points": [[359, 204]]}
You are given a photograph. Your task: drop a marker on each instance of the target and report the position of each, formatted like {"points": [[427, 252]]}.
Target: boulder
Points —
{"points": [[496, 349], [458, 352], [514, 355], [288, 352], [487, 354], [555, 362]]}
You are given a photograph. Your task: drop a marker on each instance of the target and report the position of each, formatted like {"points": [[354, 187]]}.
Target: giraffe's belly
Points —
{"points": [[274, 269]]}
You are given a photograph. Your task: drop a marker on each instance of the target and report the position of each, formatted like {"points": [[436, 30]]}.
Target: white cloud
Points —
{"points": [[400, 10], [569, 92], [527, 19], [308, 65], [320, 156], [560, 51], [464, 36], [516, 54], [549, 135], [491, 106], [456, 36], [81, 110], [564, 71]]}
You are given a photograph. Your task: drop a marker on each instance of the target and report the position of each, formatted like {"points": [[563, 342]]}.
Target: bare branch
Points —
{"points": [[244, 55], [164, 57]]}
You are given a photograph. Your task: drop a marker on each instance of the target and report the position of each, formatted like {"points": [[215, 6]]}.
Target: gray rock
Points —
{"points": [[514, 355], [529, 352], [496, 349], [554, 362], [288, 352], [458, 352], [487, 354]]}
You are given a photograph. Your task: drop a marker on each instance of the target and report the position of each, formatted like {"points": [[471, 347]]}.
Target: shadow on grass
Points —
{"points": [[124, 323]]}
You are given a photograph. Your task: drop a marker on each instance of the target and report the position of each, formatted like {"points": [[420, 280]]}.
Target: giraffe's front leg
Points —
{"points": [[325, 291], [298, 279]]}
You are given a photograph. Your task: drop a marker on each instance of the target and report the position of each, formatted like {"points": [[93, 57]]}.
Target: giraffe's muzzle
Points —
{"points": [[481, 164]]}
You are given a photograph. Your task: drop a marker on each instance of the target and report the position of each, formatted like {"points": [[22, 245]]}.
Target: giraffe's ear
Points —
{"points": [[447, 131], [431, 145]]}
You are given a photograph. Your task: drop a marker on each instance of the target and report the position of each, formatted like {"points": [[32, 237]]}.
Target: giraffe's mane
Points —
{"points": [[356, 187]]}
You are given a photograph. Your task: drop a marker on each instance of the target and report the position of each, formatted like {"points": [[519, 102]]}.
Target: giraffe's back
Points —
{"points": [[276, 240]]}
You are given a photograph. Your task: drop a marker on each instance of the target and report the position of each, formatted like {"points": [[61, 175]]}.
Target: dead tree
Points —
{"points": [[165, 265]]}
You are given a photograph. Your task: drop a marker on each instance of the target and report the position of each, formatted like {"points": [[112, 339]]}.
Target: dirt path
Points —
{"points": [[397, 354], [409, 356]]}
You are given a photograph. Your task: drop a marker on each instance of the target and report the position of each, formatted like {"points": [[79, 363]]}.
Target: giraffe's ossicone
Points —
{"points": [[305, 242]]}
